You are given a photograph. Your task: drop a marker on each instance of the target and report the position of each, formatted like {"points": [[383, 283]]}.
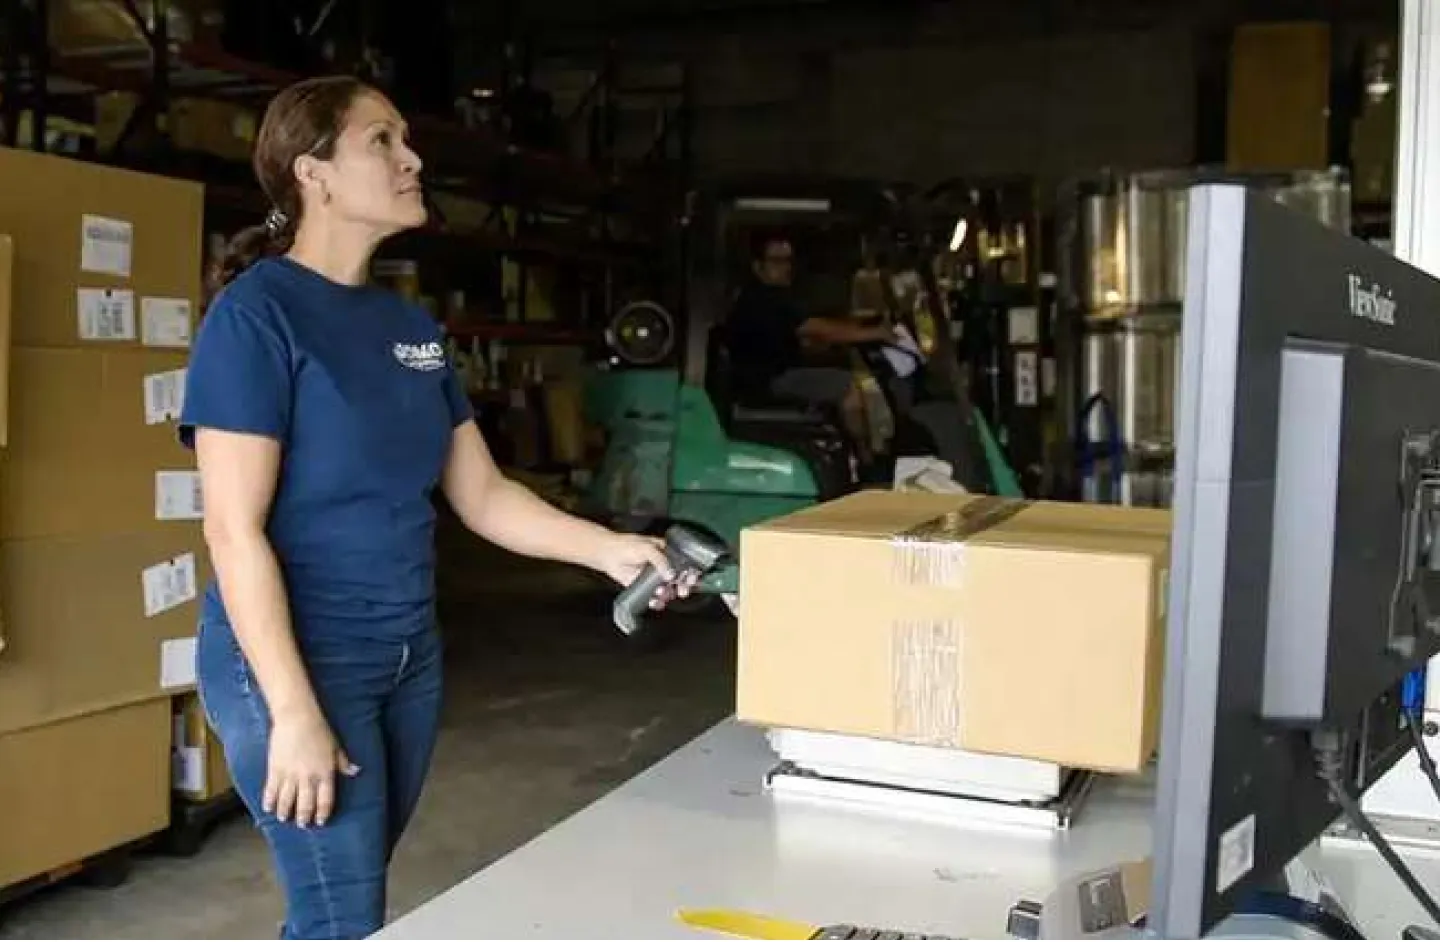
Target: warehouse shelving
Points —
{"points": [[545, 208]]}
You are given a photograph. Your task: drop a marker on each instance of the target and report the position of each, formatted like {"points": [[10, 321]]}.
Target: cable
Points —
{"points": [[1416, 722], [1328, 764]]}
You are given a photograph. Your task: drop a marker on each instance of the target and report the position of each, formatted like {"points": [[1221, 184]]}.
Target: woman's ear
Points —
{"points": [[310, 176]]}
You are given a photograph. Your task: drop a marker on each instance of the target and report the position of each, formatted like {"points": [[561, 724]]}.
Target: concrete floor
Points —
{"points": [[547, 709]]}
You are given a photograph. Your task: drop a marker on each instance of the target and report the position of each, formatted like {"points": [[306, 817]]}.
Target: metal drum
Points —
{"points": [[1130, 369], [1132, 242], [1124, 265], [1322, 195], [1134, 363]]}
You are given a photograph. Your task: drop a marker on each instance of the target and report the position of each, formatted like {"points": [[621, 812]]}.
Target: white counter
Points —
{"points": [[699, 831]]}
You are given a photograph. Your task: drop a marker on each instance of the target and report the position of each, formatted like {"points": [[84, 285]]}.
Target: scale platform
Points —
{"points": [[936, 784]]}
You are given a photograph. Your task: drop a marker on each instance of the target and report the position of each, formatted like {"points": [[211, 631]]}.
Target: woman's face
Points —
{"points": [[374, 177]]}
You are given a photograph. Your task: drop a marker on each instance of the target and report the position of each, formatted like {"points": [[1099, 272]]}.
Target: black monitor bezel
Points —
{"points": [[1257, 274]]}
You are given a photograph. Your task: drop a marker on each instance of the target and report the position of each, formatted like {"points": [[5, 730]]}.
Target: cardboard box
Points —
{"points": [[103, 256], [1279, 107], [98, 622], [6, 283], [223, 129], [200, 772], [77, 788], [94, 450], [79, 27], [1018, 628], [7, 294]]}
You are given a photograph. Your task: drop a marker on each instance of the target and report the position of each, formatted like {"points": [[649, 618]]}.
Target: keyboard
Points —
{"points": [[862, 932]]}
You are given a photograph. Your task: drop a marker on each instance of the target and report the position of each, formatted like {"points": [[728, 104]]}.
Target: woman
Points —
{"points": [[323, 412]]}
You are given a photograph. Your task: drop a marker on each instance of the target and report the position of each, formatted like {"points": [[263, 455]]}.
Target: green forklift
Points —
{"points": [[679, 446]]}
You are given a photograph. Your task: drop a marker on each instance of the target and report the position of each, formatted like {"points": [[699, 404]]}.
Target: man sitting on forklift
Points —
{"points": [[768, 334]]}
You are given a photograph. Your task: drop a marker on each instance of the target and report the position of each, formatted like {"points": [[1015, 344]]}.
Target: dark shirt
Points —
{"points": [[356, 386], [764, 337]]}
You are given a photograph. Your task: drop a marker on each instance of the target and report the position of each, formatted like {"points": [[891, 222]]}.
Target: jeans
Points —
{"points": [[818, 385], [382, 700]]}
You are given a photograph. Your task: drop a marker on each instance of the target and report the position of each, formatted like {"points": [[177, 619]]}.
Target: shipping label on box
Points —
{"points": [[106, 246], [169, 584], [178, 496], [164, 396], [105, 313], [165, 322], [177, 663]]}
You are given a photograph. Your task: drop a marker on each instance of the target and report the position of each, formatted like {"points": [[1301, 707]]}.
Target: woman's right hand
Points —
{"points": [[300, 773]]}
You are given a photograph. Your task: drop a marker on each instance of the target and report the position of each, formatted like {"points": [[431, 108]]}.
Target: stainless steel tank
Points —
{"points": [[1124, 290], [1132, 235], [1131, 366]]}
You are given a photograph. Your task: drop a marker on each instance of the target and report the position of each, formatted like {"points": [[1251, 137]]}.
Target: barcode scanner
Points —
{"points": [[690, 554]]}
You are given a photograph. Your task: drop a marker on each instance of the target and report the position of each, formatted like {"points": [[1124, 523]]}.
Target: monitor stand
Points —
{"points": [[1112, 904]]}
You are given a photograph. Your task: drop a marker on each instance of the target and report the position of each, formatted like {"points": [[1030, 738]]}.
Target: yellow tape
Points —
{"points": [[742, 925]]}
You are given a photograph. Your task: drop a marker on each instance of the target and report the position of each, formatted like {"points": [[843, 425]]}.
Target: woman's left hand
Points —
{"points": [[625, 555]]}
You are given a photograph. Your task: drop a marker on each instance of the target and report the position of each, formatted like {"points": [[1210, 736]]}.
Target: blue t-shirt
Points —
{"points": [[355, 385]]}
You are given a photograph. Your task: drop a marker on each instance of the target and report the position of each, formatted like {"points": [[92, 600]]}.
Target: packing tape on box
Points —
{"points": [[927, 653], [931, 553], [926, 656]]}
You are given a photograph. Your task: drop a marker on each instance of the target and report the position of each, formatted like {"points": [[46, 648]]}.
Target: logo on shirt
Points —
{"points": [[421, 356]]}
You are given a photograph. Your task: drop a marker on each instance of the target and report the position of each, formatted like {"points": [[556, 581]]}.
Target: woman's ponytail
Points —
{"points": [[304, 119]]}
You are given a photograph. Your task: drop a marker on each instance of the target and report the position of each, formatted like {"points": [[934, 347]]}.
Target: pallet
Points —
{"points": [[192, 822], [106, 870]]}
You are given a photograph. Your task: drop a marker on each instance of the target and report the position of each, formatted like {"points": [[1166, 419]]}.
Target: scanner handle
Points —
{"points": [[690, 554]]}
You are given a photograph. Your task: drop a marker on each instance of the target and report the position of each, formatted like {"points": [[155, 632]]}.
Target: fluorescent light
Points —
{"points": [[779, 204], [957, 238]]}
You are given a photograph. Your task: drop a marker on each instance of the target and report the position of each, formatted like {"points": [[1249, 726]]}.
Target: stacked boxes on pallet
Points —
{"points": [[101, 551]]}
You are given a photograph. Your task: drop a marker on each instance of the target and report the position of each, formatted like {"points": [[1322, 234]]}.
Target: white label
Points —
{"points": [[189, 771], [105, 313], [177, 496], [168, 585], [177, 663], [1237, 854], [1024, 325], [1027, 378], [164, 396], [165, 322], [106, 246]]}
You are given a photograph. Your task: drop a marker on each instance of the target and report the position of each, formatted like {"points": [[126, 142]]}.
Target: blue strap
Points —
{"points": [[1086, 450]]}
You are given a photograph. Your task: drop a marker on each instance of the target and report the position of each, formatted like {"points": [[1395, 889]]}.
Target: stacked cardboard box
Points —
{"points": [[204, 126], [1279, 110], [1006, 627], [101, 551]]}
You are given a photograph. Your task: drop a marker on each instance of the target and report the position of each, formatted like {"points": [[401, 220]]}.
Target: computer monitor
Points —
{"points": [[1301, 591]]}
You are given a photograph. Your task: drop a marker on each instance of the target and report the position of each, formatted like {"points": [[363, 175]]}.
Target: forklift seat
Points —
{"points": [[811, 433], [719, 384]]}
